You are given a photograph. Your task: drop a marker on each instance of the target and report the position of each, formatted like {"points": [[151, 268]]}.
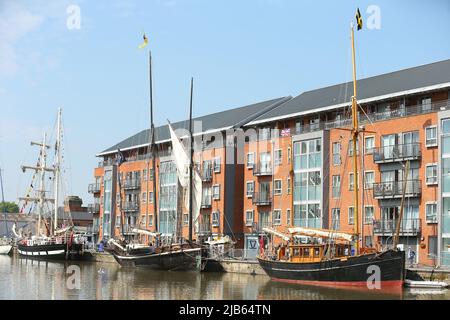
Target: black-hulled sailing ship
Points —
{"points": [[165, 252], [334, 258], [51, 240]]}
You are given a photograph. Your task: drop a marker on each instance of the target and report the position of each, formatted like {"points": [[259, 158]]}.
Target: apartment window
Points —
{"points": [[144, 174], [278, 157], [426, 104], [369, 179], [369, 145], [351, 215], [431, 136], [118, 221], [288, 217], [185, 219], [117, 198], [351, 181], [431, 212], [151, 174], [289, 185], [368, 241], [250, 160], [144, 196], [217, 164], [431, 174], [289, 155], [336, 218], [432, 246], [336, 186], [150, 220], [336, 153], [277, 187], [276, 217], [216, 192], [350, 147], [250, 188], [249, 218], [215, 219], [368, 215], [150, 197], [143, 221]]}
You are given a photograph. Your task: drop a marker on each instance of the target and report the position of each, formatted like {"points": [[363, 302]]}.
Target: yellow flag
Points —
{"points": [[142, 45], [359, 20]]}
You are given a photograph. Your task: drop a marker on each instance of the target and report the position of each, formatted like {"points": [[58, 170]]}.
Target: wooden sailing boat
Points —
{"points": [[327, 258], [49, 242], [5, 241], [179, 256]]}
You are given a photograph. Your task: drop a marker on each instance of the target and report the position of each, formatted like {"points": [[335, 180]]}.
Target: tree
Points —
{"points": [[10, 207]]}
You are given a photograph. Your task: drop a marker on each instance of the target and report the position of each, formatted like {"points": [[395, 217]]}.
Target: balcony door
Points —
{"points": [[388, 143], [264, 190], [388, 181], [264, 162], [409, 141]]}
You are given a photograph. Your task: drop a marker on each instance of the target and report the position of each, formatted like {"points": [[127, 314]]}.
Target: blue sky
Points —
{"points": [[239, 52]]}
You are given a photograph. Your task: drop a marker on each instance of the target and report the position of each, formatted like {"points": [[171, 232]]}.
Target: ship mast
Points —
{"points": [[153, 144], [355, 133], [191, 162], [57, 169]]}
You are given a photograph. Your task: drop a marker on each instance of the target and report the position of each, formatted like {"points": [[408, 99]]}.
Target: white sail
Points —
{"points": [[182, 161], [146, 232], [276, 233], [321, 233]]}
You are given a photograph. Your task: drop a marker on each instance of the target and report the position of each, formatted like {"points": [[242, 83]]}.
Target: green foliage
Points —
{"points": [[11, 207]]}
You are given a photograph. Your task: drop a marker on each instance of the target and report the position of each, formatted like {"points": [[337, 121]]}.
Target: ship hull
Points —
{"points": [[50, 251], [180, 260], [358, 271], [5, 249]]}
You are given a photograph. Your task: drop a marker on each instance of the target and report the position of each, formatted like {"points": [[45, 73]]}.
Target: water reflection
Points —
{"points": [[31, 279]]}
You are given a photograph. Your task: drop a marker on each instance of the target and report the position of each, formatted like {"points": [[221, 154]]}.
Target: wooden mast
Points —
{"points": [[355, 133], [57, 170], [400, 216], [191, 162], [153, 145]]}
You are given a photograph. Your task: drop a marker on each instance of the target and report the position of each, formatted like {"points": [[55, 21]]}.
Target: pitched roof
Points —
{"points": [[379, 87], [212, 122]]}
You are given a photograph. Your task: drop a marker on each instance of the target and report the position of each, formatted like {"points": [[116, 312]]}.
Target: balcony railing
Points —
{"points": [[94, 208], [387, 227], [399, 152], [206, 202], [131, 184], [130, 206], [207, 174], [94, 188], [204, 228], [261, 199], [262, 169], [394, 189]]}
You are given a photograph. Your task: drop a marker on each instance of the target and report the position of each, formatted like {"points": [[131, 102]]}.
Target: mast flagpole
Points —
{"points": [[42, 185], [191, 162], [153, 145], [3, 203], [57, 170], [355, 132]]}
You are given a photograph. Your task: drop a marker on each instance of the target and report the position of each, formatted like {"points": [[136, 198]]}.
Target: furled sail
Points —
{"points": [[276, 233], [182, 161], [322, 233]]}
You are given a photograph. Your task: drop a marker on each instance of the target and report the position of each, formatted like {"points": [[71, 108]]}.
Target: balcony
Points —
{"points": [[262, 199], [399, 152], [206, 202], [130, 206], [408, 227], [386, 190], [262, 169], [204, 228], [94, 208], [207, 174], [94, 188], [130, 184]]}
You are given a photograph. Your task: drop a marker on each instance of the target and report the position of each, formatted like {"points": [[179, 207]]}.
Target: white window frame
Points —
{"points": [[288, 217], [118, 217], [278, 222], [373, 182], [249, 223], [215, 222], [373, 214], [348, 215], [366, 151], [216, 161], [150, 197], [426, 176], [185, 222], [150, 220], [248, 164], [144, 197], [289, 155], [214, 195], [246, 188], [350, 181], [289, 185], [336, 163], [427, 144], [277, 192], [426, 211], [278, 161]]}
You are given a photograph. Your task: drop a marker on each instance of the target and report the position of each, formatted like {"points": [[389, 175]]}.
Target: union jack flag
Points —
{"points": [[286, 132]]}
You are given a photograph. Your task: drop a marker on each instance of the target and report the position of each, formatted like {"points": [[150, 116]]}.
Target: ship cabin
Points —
{"points": [[306, 253]]}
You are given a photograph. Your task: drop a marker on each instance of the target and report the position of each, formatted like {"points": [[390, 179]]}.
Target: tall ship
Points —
{"points": [[164, 251], [53, 239], [332, 257]]}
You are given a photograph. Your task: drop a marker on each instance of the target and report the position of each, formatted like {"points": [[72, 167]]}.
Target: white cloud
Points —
{"points": [[16, 22]]}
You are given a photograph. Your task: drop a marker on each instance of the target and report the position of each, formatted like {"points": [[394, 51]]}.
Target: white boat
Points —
{"points": [[426, 284], [5, 246]]}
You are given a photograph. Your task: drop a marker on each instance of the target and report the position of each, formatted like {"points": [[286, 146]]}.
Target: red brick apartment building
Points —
{"points": [[288, 162]]}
